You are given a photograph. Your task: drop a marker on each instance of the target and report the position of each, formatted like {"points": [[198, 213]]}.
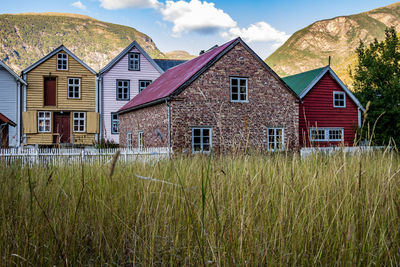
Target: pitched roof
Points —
{"points": [[302, 83], [174, 80], [166, 64], [6, 120], [12, 72], [52, 53], [124, 52]]}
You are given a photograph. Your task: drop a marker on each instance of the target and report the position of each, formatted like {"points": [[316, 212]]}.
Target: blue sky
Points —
{"points": [[193, 25]]}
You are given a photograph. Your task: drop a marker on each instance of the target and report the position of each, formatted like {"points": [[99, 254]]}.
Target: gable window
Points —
{"points": [[326, 134], [129, 140], [140, 140], [44, 121], [79, 119], [143, 85], [201, 140], [239, 89], [62, 61], [134, 61], [123, 89], [275, 139], [74, 88], [114, 123], [339, 99]]}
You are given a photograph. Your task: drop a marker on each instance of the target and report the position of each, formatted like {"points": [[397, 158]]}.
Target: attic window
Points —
{"points": [[62, 61], [134, 61], [239, 89], [339, 100]]}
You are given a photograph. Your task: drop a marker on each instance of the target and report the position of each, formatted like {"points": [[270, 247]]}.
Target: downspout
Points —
{"points": [[169, 127], [23, 138], [97, 104], [100, 87], [18, 114]]}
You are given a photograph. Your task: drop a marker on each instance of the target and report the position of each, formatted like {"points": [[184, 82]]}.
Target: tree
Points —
{"points": [[377, 80]]}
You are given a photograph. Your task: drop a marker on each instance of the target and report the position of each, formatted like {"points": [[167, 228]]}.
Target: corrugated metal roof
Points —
{"points": [[174, 78], [4, 119], [299, 82], [166, 64]]}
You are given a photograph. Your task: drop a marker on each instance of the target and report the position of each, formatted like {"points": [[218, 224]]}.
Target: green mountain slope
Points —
{"points": [[309, 48], [25, 38]]}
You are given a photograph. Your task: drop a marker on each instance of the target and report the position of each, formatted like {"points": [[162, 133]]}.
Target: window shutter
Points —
{"points": [[92, 122], [29, 121]]}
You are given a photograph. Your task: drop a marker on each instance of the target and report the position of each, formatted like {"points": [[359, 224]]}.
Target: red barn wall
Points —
{"points": [[316, 110]]}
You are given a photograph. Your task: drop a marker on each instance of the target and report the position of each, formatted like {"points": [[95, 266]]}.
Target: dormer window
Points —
{"points": [[62, 61], [134, 61], [339, 100], [239, 89]]}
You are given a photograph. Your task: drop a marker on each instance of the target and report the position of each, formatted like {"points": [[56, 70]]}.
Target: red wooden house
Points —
{"points": [[329, 114]]}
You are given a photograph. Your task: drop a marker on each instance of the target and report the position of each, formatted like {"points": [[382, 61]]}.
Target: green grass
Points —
{"points": [[237, 210]]}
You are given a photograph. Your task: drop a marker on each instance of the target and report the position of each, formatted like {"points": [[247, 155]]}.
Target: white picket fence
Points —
{"points": [[53, 156], [309, 151]]}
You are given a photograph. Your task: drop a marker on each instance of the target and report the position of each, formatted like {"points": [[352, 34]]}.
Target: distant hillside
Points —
{"points": [[339, 37], [25, 38], [179, 54]]}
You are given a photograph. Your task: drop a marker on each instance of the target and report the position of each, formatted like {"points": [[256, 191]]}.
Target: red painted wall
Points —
{"points": [[316, 110]]}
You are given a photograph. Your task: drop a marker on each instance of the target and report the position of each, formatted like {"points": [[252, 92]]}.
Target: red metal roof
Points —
{"points": [[4, 119], [173, 78]]}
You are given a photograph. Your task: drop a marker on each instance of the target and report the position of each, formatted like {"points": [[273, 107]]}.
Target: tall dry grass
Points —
{"points": [[242, 210]]}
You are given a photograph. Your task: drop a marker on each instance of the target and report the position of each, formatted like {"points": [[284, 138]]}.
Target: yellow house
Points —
{"points": [[60, 101]]}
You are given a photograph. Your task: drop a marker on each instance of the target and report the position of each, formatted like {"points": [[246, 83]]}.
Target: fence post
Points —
{"points": [[82, 155]]}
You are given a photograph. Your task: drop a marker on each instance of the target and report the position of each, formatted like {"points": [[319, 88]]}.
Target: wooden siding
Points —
{"points": [[316, 110], [120, 71], [8, 103], [35, 96]]}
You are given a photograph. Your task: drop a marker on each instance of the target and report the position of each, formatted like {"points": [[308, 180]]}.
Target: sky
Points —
{"points": [[194, 25]]}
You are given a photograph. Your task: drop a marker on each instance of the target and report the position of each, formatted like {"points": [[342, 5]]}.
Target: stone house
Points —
{"points": [[226, 98]]}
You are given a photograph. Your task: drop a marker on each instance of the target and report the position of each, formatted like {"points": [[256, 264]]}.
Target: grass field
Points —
{"points": [[232, 210]]}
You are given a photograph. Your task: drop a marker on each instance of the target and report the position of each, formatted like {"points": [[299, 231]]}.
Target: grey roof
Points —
{"points": [[166, 64], [124, 52], [55, 51], [12, 72]]}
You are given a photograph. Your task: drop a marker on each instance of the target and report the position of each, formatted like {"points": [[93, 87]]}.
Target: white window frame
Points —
{"points": [[62, 61], [141, 88], [238, 93], [112, 122], [44, 119], [140, 140], [133, 59], [129, 140], [201, 139], [74, 87], [326, 134], [74, 120], [275, 144], [334, 98]]}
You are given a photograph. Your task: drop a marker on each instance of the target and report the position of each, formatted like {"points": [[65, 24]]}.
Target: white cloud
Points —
{"points": [[78, 4], [258, 32], [196, 16], [120, 4]]}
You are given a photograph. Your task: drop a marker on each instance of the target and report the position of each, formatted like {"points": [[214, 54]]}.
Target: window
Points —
{"points": [[62, 61], [140, 140], [44, 121], [129, 140], [326, 134], [143, 84], [74, 88], [275, 139], [133, 61], [123, 89], [339, 100], [79, 122], [238, 89], [114, 123], [201, 140]]}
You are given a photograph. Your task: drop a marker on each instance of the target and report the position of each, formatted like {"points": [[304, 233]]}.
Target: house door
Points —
{"points": [[62, 127], [50, 91]]}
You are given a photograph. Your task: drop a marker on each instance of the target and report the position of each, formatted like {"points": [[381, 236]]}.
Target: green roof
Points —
{"points": [[299, 82]]}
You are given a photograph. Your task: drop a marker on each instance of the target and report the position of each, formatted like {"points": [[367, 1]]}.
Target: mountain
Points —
{"points": [[309, 48], [179, 54], [25, 38]]}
